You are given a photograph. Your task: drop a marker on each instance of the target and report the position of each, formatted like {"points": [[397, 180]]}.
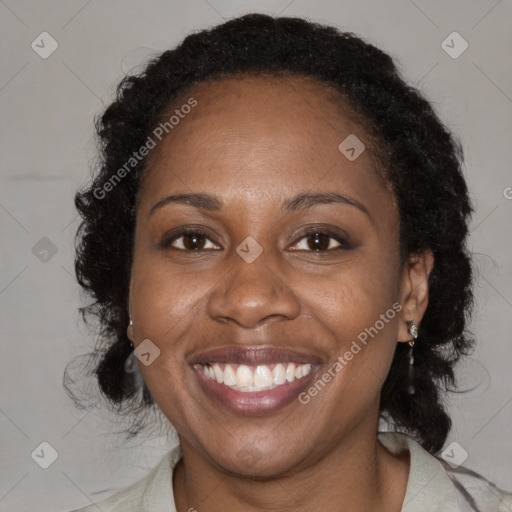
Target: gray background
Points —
{"points": [[47, 109]]}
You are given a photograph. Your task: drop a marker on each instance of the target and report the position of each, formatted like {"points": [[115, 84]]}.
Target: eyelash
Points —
{"points": [[166, 243]]}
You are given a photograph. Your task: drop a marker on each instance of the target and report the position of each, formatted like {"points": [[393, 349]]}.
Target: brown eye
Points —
{"points": [[320, 241], [194, 241], [190, 241]]}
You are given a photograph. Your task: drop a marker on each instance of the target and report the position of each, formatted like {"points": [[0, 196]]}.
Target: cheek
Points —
{"points": [[355, 295], [165, 301], [358, 311], [167, 308], [352, 312]]}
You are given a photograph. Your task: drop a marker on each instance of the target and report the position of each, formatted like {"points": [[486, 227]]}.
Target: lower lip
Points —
{"points": [[256, 403]]}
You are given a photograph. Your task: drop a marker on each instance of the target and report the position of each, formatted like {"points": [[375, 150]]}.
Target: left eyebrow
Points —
{"points": [[307, 200], [302, 201]]}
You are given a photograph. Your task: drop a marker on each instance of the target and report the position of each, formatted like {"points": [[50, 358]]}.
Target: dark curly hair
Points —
{"points": [[421, 162]]}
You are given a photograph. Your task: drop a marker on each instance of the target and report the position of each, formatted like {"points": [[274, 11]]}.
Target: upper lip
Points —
{"points": [[256, 355]]}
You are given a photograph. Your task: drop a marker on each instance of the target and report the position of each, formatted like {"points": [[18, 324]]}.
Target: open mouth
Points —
{"points": [[254, 378], [254, 390]]}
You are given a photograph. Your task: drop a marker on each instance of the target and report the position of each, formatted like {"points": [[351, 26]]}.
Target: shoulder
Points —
{"points": [[475, 492], [152, 493], [434, 481]]}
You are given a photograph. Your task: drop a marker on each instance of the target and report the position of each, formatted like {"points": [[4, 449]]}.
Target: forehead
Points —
{"points": [[262, 134]]}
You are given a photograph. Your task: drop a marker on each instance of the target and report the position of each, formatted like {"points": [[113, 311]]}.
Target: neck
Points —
{"points": [[359, 474]]}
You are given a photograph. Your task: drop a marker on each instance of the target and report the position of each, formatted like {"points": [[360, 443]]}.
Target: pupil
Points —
{"points": [[320, 241], [192, 241]]}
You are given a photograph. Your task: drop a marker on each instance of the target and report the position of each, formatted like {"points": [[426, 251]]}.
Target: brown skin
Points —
{"points": [[255, 142]]}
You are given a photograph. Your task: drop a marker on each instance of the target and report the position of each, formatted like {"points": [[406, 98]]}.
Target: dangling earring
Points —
{"points": [[129, 329], [130, 365], [413, 331]]}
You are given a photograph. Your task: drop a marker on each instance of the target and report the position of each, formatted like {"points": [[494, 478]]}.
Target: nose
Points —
{"points": [[252, 294]]}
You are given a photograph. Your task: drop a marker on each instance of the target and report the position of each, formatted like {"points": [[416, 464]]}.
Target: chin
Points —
{"points": [[249, 460]]}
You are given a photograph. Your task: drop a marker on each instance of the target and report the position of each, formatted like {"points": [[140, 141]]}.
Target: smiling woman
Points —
{"points": [[294, 236]]}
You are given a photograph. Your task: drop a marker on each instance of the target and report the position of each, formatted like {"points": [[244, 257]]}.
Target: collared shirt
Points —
{"points": [[433, 485]]}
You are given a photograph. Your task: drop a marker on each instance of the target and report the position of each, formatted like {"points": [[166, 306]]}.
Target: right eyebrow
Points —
{"points": [[202, 201]]}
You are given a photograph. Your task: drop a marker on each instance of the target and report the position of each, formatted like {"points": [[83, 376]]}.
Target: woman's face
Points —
{"points": [[265, 288]]}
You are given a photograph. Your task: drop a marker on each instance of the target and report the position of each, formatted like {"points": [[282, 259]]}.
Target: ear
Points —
{"points": [[414, 290]]}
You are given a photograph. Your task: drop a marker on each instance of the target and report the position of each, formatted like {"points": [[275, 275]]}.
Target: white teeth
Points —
{"points": [[262, 377], [243, 376], [290, 372], [254, 378], [279, 374], [219, 376], [229, 376]]}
